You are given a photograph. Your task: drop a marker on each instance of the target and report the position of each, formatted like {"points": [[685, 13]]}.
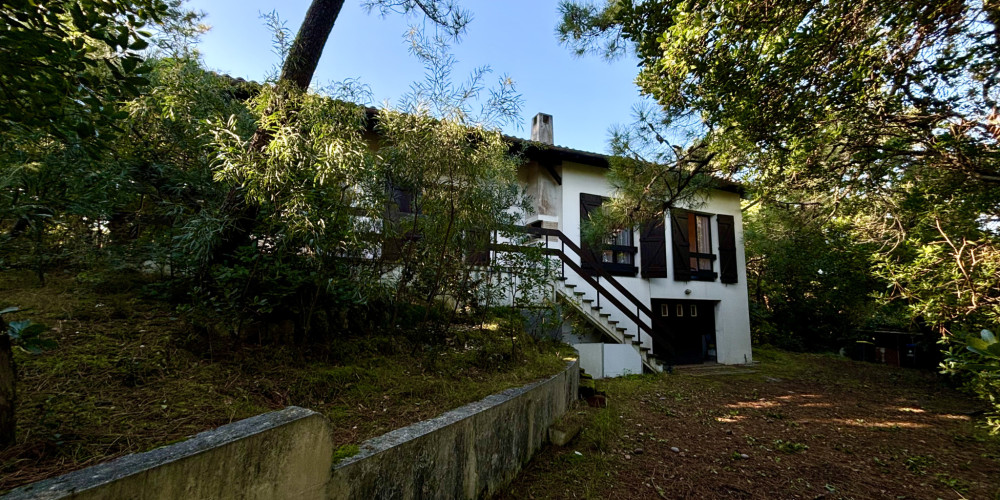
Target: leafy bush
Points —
{"points": [[978, 364], [808, 279], [25, 334]]}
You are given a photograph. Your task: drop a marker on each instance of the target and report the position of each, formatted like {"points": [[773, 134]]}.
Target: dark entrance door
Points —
{"points": [[689, 327]]}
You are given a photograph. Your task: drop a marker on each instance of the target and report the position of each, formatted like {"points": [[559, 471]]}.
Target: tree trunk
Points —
{"points": [[304, 54], [8, 375], [297, 71], [302, 59]]}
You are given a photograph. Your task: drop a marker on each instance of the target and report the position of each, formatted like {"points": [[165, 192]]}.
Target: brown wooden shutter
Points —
{"points": [[479, 244], [399, 205], [679, 243], [653, 250], [589, 203], [392, 249], [727, 249]]}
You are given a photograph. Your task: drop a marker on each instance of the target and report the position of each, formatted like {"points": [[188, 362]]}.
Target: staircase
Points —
{"points": [[603, 323], [617, 314]]}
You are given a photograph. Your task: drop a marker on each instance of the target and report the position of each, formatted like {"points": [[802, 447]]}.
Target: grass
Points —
{"points": [[789, 447], [344, 452], [588, 463], [129, 375]]}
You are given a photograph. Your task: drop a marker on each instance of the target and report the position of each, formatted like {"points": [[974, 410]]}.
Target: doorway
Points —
{"points": [[689, 326]]}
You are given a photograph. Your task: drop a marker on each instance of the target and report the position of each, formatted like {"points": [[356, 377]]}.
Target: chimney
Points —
{"points": [[541, 128]]}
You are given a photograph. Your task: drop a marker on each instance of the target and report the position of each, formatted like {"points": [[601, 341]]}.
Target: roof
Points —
{"points": [[545, 154], [541, 152], [550, 155]]}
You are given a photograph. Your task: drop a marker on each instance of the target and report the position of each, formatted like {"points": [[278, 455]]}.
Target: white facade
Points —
{"points": [[556, 190], [608, 360]]}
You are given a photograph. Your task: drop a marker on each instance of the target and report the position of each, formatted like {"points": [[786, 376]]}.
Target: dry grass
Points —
{"points": [[129, 375]]}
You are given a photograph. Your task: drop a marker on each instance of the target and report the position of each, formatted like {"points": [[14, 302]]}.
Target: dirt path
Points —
{"points": [[801, 426]]}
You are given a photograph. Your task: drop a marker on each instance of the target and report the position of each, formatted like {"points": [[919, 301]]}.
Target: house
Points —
{"points": [[674, 293]]}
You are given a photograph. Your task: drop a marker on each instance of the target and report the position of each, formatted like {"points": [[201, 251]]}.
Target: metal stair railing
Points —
{"points": [[662, 347]]}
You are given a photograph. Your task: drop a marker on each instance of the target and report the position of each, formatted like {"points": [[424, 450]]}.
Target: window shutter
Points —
{"points": [[404, 199], [589, 203], [727, 249], [392, 249], [479, 244], [653, 250], [679, 237]]}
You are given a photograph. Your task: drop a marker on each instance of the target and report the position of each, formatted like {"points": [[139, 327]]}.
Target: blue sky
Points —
{"points": [[585, 95]]}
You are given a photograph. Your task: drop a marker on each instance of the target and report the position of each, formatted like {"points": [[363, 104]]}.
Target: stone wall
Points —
{"points": [[465, 453]]}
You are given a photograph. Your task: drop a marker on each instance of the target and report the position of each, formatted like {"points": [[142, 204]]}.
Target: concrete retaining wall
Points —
{"points": [[283, 454], [465, 453]]}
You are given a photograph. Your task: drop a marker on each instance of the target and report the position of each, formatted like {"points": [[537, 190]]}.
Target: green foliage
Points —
{"points": [[789, 447], [122, 202], [345, 451], [25, 334], [881, 114], [603, 431], [328, 250], [446, 14], [986, 346], [952, 482], [123, 158], [979, 364], [807, 277], [918, 464], [329, 230], [65, 62], [801, 85]]}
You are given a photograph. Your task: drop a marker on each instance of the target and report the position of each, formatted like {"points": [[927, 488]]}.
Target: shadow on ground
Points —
{"points": [[797, 426]]}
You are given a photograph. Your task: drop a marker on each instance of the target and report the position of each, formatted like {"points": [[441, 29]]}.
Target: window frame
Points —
{"points": [[623, 256], [697, 272], [622, 252]]}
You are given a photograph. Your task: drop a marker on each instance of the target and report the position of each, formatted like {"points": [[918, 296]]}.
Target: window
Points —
{"points": [[692, 246], [680, 310], [700, 245], [477, 246], [616, 255], [664, 310], [694, 311], [402, 225], [618, 248], [405, 200]]}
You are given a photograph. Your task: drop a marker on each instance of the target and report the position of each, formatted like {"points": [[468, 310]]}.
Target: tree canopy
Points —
{"points": [[264, 210], [887, 110], [824, 91], [879, 118], [63, 61]]}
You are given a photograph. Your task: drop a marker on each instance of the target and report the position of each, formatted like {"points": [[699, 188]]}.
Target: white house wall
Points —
{"points": [[732, 318], [544, 192], [608, 360]]}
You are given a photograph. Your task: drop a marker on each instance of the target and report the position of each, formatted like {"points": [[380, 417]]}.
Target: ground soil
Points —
{"points": [[130, 373], [800, 426]]}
